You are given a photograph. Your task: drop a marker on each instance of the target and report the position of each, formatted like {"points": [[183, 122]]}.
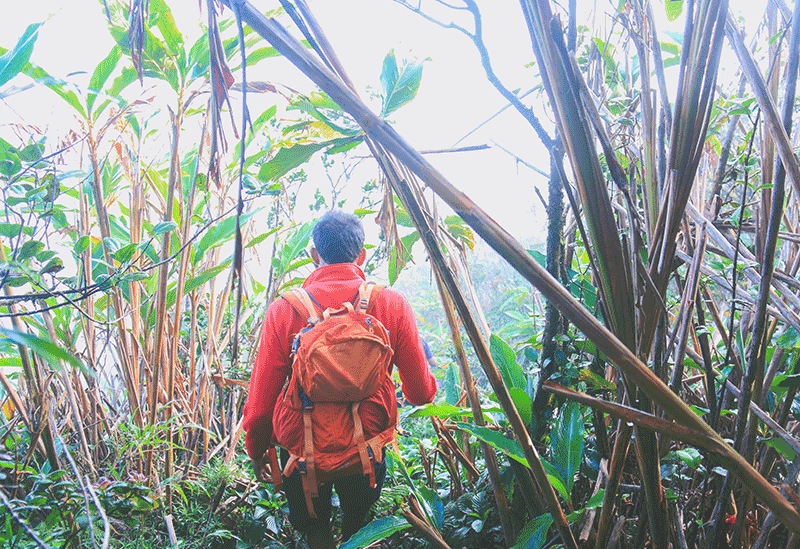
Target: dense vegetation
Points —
{"points": [[630, 382]]}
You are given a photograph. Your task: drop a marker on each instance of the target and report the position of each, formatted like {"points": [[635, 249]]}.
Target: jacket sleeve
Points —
{"points": [[270, 371], [416, 379]]}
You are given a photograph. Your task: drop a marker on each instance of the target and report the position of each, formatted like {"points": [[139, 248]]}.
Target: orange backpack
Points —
{"points": [[339, 359]]}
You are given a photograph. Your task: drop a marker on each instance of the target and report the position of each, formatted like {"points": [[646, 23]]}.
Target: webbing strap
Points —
{"points": [[305, 300], [358, 437], [310, 478], [275, 468], [364, 294]]}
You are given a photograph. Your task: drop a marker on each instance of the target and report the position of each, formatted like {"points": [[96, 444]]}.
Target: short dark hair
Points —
{"points": [[338, 237]]}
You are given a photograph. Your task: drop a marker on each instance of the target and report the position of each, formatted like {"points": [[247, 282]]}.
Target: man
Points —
{"points": [[338, 255]]}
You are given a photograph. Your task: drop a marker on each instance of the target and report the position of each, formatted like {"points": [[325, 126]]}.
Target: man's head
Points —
{"points": [[338, 238]]}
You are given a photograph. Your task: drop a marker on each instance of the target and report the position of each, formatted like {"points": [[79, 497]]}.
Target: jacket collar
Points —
{"points": [[338, 272]]}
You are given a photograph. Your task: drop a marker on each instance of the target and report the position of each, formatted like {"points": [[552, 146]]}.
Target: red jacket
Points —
{"points": [[330, 285]]}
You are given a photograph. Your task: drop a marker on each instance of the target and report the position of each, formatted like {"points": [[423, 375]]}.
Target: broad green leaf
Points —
{"points": [[555, 479], [783, 447], [45, 348], [596, 500], [260, 238], [101, 74], [32, 153], [523, 403], [261, 53], [125, 253], [674, 9], [599, 382], [396, 261], [787, 381], [566, 443], [790, 339], [287, 159], [534, 534], [506, 360], [166, 24], [400, 84], [82, 244], [441, 411], [294, 246], [509, 447], [218, 234], [9, 159], [13, 230], [30, 249], [452, 385], [126, 77], [312, 105], [435, 503], [14, 60], [163, 227], [376, 530], [690, 456], [135, 276]]}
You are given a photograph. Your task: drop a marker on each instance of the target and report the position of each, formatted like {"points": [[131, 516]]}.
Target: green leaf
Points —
{"points": [[400, 85], [82, 244], [789, 381], [506, 360], [599, 382], [14, 60], [261, 53], [555, 479], [163, 227], [783, 447], [452, 385], [441, 411], [45, 348], [396, 263], [101, 74], [566, 443], [790, 339], [523, 403], [534, 535], [194, 283], [260, 238], [287, 160], [690, 456], [674, 9], [125, 253], [509, 447], [294, 246], [166, 24], [596, 500], [376, 531], [13, 230], [31, 153], [9, 159], [135, 276], [29, 249]]}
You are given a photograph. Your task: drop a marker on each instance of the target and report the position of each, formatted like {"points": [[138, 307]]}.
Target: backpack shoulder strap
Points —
{"points": [[367, 295], [301, 301]]}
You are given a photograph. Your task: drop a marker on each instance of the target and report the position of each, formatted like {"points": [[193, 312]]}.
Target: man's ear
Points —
{"points": [[362, 256], [315, 257]]}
